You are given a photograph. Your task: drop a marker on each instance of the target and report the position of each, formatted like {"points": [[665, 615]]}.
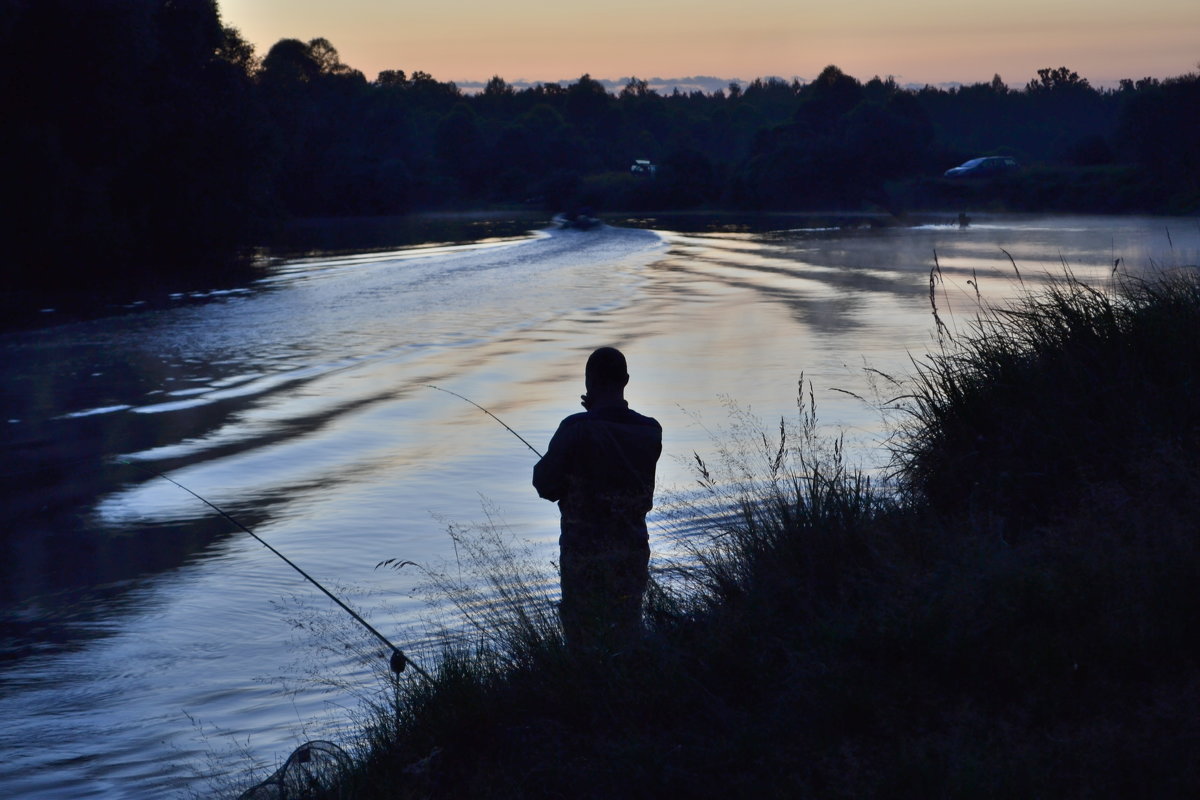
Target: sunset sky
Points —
{"points": [[924, 41]]}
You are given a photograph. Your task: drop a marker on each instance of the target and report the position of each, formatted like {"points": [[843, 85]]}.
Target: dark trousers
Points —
{"points": [[602, 589]]}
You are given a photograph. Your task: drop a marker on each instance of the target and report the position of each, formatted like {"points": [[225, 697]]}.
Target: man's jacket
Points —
{"points": [[600, 468]]}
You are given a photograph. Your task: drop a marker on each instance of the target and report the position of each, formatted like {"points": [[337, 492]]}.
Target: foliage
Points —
{"points": [[1153, 128]]}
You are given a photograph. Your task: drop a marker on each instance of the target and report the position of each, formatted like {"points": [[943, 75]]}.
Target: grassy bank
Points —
{"points": [[1015, 616]]}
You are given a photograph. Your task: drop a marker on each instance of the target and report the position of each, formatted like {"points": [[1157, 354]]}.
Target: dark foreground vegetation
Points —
{"points": [[147, 142], [1017, 617]]}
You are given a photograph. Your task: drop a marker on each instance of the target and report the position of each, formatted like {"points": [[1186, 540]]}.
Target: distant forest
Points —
{"points": [[141, 130]]}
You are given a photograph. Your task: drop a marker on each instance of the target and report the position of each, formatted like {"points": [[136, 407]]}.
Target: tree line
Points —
{"points": [[142, 130]]}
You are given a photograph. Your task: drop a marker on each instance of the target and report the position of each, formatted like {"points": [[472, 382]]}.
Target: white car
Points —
{"points": [[984, 167]]}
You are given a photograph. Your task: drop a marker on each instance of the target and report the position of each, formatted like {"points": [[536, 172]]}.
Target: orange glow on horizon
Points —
{"points": [[930, 41]]}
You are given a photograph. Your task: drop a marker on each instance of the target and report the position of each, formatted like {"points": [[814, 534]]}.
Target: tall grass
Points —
{"points": [[1018, 620], [1071, 386], [1055, 448], [781, 508]]}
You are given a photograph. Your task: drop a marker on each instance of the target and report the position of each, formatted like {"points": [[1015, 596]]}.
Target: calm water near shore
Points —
{"points": [[146, 645]]}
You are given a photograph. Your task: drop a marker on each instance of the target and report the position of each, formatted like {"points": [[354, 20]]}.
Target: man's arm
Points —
{"points": [[550, 473]]}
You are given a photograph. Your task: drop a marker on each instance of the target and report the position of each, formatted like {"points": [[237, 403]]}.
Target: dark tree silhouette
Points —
{"points": [[1158, 125], [133, 133]]}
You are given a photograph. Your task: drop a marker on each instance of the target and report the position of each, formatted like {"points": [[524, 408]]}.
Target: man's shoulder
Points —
{"points": [[642, 419], [623, 416], [573, 420]]}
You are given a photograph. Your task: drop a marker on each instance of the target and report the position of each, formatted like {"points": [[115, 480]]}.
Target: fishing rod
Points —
{"points": [[490, 414], [398, 660]]}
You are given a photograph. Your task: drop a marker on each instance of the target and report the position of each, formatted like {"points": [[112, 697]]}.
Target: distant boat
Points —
{"points": [[581, 220]]}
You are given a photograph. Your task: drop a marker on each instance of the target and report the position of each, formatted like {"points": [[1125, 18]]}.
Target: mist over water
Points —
{"points": [[144, 637]]}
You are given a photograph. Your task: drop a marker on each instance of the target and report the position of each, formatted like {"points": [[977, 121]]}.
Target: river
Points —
{"points": [[150, 648]]}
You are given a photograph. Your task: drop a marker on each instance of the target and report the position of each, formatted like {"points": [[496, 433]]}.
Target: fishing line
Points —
{"points": [[398, 660], [490, 414]]}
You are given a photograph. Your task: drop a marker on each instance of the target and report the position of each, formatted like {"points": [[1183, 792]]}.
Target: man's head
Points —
{"points": [[606, 371]]}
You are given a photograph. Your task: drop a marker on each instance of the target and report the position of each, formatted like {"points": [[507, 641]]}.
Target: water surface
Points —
{"points": [[147, 643]]}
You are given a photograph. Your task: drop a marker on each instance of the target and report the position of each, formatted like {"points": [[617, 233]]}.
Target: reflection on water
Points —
{"points": [[300, 406], [373, 234]]}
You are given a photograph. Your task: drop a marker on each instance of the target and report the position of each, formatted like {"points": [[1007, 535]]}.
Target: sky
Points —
{"points": [[917, 42]]}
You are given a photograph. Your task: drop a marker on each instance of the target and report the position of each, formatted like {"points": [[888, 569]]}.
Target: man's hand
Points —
{"points": [[583, 401]]}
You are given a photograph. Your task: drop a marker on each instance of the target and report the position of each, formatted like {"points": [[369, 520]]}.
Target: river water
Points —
{"points": [[149, 648]]}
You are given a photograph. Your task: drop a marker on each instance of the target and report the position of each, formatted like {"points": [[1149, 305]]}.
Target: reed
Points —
{"points": [[1068, 386]]}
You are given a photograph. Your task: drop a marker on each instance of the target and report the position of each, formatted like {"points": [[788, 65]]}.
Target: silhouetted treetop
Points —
{"points": [[1057, 79], [294, 61], [498, 87]]}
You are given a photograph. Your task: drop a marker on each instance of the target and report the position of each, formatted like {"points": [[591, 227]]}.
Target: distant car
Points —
{"points": [[644, 168], [984, 167]]}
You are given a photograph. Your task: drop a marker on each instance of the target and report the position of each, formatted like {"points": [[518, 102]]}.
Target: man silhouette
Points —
{"points": [[600, 468]]}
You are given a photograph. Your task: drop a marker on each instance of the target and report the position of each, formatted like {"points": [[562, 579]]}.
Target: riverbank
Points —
{"points": [[1014, 621], [1046, 189]]}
